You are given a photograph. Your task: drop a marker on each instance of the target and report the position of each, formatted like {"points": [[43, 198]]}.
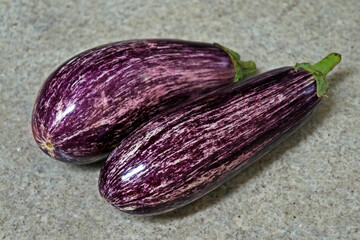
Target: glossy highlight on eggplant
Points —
{"points": [[185, 153], [95, 99]]}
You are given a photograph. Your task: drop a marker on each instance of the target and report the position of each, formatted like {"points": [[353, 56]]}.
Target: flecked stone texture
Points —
{"points": [[307, 188]]}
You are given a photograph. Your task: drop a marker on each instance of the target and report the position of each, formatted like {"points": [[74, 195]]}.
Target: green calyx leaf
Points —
{"points": [[242, 68], [320, 70]]}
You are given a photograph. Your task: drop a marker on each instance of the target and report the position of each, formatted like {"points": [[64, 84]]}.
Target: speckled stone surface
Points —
{"points": [[306, 188]]}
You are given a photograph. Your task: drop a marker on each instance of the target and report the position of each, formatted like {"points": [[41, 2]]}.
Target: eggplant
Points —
{"points": [[95, 99], [184, 153]]}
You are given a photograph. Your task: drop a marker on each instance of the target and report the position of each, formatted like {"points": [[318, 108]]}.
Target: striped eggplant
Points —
{"points": [[182, 154], [92, 101]]}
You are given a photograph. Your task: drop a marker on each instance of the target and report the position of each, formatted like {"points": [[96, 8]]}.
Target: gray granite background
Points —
{"points": [[306, 188]]}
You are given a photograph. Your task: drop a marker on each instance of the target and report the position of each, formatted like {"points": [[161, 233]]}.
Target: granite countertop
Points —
{"points": [[306, 188]]}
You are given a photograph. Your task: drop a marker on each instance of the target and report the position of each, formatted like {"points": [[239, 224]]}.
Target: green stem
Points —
{"points": [[242, 68], [320, 70], [328, 63]]}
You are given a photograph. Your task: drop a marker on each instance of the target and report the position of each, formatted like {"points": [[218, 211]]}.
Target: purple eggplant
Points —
{"points": [[184, 153], [95, 99]]}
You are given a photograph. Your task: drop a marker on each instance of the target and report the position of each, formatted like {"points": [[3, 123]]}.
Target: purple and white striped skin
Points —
{"points": [[92, 101], [183, 154]]}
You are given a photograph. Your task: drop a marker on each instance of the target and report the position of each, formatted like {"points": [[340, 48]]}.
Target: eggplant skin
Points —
{"points": [[183, 154], [92, 101]]}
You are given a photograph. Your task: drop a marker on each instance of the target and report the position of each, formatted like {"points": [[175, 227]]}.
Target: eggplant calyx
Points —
{"points": [[242, 68], [320, 70]]}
